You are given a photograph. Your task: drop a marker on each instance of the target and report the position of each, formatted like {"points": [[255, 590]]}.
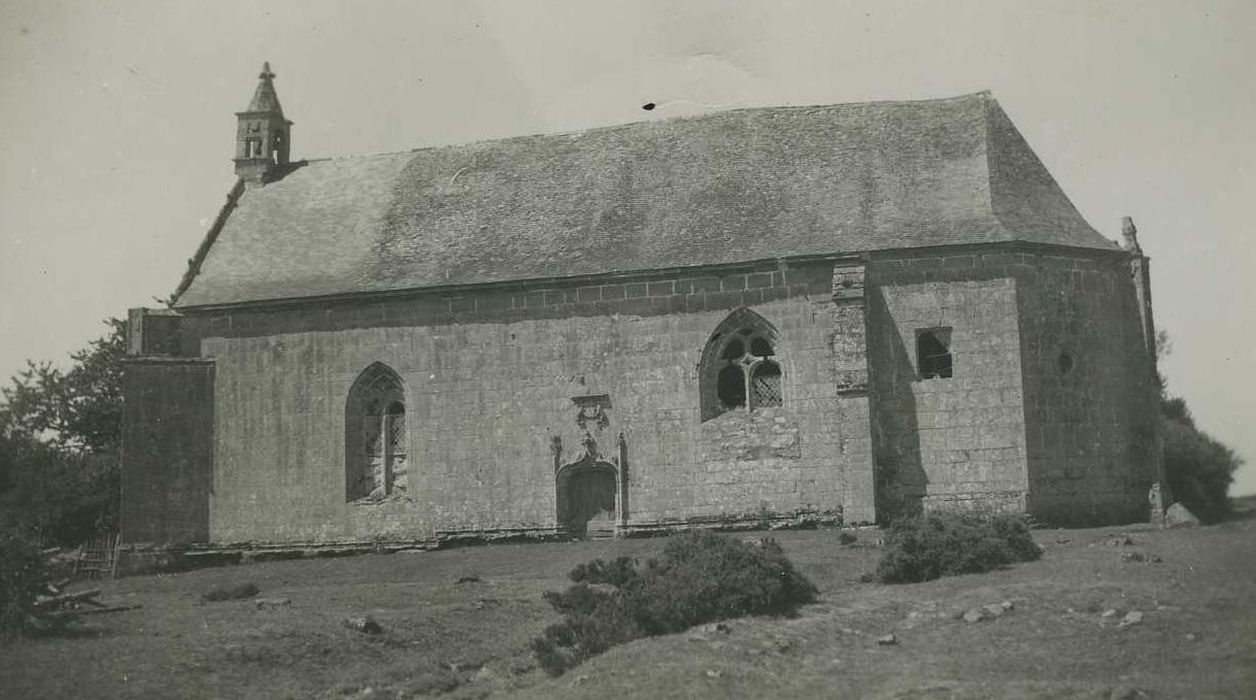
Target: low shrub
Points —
{"points": [[703, 577], [236, 592], [847, 537], [23, 576], [1014, 532], [616, 573], [700, 577], [928, 547], [594, 620]]}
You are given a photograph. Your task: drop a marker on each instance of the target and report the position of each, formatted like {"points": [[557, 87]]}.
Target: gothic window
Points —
{"points": [[933, 353], [739, 367], [375, 436]]}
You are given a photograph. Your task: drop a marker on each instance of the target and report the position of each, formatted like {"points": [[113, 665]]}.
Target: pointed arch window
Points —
{"points": [[739, 367], [376, 443]]}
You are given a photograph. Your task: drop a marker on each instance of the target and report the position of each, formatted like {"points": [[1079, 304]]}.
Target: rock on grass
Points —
{"points": [[364, 624], [237, 592]]}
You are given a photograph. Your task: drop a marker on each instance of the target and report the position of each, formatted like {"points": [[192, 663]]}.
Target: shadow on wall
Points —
{"points": [[901, 482]]}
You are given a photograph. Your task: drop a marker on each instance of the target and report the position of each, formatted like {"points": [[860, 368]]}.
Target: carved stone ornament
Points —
{"points": [[592, 418], [592, 409]]}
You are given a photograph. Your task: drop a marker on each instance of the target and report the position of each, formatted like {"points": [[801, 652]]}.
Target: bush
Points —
{"points": [[23, 575], [925, 548], [704, 577], [616, 573], [65, 497], [594, 620], [1198, 469], [847, 537], [700, 577], [1014, 532]]}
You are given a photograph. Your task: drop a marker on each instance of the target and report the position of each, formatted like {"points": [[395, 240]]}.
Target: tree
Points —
{"points": [[79, 411], [1198, 468], [60, 434]]}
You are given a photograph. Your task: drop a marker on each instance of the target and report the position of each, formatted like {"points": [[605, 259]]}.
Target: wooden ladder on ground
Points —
{"points": [[99, 558]]}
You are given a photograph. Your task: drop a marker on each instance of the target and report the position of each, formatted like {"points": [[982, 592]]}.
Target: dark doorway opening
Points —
{"points": [[587, 502]]}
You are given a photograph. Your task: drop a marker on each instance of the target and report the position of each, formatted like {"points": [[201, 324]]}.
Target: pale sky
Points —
{"points": [[117, 124]]}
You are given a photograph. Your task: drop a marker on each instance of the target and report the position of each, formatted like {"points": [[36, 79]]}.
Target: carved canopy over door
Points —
{"points": [[591, 486]]}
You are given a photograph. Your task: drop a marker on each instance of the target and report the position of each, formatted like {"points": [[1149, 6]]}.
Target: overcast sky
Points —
{"points": [[117, 125]]}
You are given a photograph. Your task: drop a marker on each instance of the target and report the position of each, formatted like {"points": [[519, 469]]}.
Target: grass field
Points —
{"points": [[1196, 639]]}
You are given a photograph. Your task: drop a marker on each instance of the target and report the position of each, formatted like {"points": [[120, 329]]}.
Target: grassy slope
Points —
{"points": [[177, 647]]}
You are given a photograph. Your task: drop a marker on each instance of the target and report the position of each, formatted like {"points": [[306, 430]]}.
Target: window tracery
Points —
{"points": [[740, 368], [375, 439]]}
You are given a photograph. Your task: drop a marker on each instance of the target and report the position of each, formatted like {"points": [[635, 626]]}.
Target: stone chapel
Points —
{"points": [[843, 312]]}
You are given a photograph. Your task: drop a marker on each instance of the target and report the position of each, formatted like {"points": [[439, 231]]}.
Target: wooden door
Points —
{"points": [[590, 503]]}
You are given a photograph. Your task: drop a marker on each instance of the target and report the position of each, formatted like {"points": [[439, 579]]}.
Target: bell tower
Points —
{"points": [[261, 133]]}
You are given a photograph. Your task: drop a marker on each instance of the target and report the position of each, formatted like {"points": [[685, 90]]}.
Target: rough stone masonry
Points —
{"points": [[845, 312]]}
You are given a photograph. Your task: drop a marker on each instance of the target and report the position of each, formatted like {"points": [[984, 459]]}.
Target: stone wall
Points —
{"points": [[1047, 410], [956, 442], [1090, 404], [167, 450], [1050, 409], [490, 378]]}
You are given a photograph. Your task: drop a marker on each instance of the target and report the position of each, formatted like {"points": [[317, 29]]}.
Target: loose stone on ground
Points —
{"points": [[364, 624], [1133, 617]]}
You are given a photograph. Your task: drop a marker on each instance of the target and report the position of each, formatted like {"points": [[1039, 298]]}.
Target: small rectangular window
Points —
{"points": [[933, 353]]}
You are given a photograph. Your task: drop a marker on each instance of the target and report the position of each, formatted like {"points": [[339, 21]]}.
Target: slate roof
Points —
{"points": [[736, 186], [265, 99]]}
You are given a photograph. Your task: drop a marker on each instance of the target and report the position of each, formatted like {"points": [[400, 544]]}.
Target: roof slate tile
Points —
{"points": [[735, 186]]}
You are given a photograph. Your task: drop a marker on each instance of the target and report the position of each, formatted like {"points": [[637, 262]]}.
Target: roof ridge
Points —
{"points": [[195, 262], [986, 95]]}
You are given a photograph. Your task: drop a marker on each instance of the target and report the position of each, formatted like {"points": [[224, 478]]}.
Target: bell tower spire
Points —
{"points": [[261, 133]]}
